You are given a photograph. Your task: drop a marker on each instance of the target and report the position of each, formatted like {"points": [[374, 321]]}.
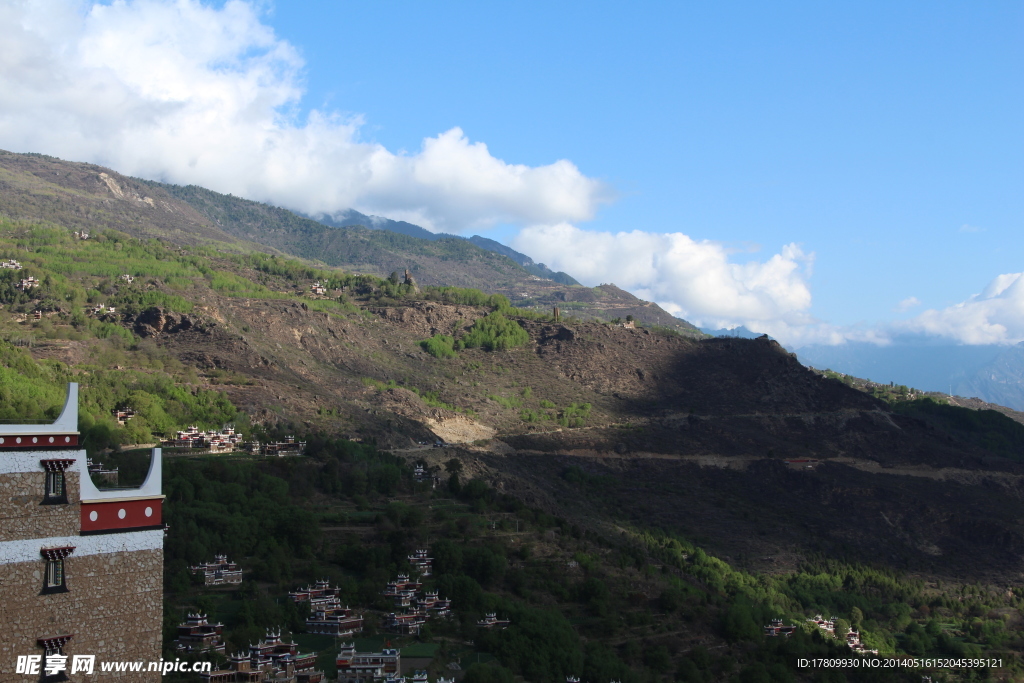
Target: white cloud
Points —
{"points": [[971, 228], [188, 93], [995, 316], [689, 278], [907, 304]]}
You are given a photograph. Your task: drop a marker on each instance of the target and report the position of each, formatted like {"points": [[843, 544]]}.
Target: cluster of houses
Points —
{"points": [[418, 607], [329, 617], [491, 621], [852, 638], [215, 441], [421, 474], [326, 613], [197, 634], [280, 448], [376, 667], [275, 660], [227, 440], [420, 563], [270, 660], [98, 472], [777, 628], [122, 415], [10, 264], [220, 572], [28, 283], [101, 309], [318, 289], [855, 644]]}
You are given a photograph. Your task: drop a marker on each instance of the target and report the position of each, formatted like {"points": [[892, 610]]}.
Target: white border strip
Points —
{"points": [[27, 550], [149, 489], [19, 462]]}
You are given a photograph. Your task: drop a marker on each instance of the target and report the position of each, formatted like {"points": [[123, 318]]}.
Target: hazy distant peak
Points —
{"points": [[741, 332]]}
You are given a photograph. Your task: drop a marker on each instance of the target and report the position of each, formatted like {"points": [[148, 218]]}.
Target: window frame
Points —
{"points": [[55, 575], [55, 487]]}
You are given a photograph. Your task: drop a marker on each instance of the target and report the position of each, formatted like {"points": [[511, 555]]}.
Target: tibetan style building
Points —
{"points": [[220, 572], [272, 660], [81, 569]]}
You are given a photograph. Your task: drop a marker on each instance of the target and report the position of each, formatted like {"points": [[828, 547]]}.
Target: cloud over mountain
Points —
{"points": [[690, 278], [994, 316], [188, 93]]}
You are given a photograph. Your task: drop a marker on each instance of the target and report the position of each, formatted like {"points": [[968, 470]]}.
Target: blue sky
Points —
{"points": [[881, 141]]}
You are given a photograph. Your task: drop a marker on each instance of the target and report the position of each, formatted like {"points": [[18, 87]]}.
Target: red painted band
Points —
{"points": [[116, 515]]}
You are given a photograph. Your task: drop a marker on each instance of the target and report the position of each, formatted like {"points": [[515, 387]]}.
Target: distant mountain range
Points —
{"points": [[352, 218], [990, 372], [740, 332]]}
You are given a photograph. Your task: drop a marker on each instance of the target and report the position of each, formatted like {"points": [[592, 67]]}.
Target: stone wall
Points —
{"points": [[113, 606], [23, 516]]}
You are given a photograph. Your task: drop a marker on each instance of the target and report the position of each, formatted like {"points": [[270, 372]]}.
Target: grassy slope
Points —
{"points": [[77, 196]]}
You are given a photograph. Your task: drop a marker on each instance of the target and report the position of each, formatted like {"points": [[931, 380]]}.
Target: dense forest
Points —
{"points": [[641, 605]]}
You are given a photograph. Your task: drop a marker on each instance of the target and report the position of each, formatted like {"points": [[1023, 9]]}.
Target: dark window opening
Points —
{"points": [[56, 490], [55, 581]]}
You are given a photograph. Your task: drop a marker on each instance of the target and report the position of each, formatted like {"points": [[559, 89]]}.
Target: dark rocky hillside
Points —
{"points": [[729, 440]]}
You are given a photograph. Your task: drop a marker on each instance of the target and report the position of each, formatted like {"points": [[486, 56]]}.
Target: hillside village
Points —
{"points": [[369, 477]]}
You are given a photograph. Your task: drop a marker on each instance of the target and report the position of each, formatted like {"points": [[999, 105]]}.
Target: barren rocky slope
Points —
{"points": [[729, 441]]}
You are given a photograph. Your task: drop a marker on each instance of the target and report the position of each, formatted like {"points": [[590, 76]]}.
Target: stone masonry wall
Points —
{"points": [[23, 516], [114, 606]]}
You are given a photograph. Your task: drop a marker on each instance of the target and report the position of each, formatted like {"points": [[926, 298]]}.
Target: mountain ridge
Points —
{"points": [[81, 195], [353, 218]]}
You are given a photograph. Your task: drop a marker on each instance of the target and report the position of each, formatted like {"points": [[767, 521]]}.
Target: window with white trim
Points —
{"points": [[55, 578], [55, 485], [55, 573], [56, 481]]}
